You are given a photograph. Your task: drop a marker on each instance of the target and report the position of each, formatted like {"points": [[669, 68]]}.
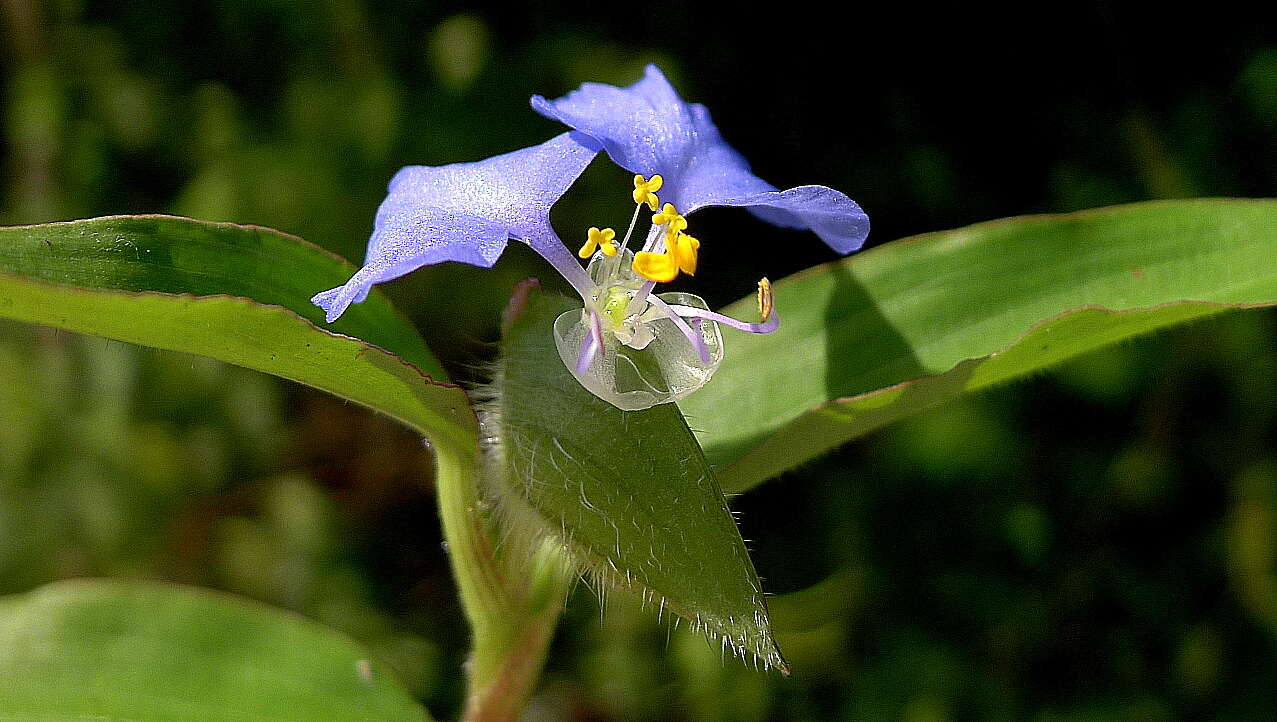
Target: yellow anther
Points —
{"points": [[645, 190], [670, 217], [684, 249], [765, 300], [679, 255], [599, 239], [659, 267]]}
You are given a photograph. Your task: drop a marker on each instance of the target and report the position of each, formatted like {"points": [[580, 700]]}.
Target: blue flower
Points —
{"points": [[648, 129], [628, 346], [467, 212]]}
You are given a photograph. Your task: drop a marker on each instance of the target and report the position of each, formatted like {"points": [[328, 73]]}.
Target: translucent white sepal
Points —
{"points": [[667, 368]]}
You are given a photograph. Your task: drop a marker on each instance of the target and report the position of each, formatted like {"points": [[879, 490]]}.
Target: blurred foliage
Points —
{"points": [[1099, 543], [124, 461]]}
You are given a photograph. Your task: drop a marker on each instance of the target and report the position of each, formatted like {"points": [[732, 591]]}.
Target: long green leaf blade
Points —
{"points": [[910, 324], [628, 494], [240, 294], [94, 649]]}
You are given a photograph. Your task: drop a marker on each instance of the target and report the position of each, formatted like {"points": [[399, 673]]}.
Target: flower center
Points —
{"points": [[615, 301], [666, 253], [619, 300], [623, 279]]}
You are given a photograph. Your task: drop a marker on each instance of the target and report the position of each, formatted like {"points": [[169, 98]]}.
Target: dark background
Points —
{"points": [[1097, 543]]}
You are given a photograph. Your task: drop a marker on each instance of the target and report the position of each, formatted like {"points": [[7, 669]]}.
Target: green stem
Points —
{"points": [[512, 616]]}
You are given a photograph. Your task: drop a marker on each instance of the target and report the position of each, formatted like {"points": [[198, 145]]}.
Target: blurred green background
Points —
{"points": [[1098, 543]]}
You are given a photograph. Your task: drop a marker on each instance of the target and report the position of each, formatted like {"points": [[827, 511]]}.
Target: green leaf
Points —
{"points": [[93, 649], [240, 294], [913, 323], [628, 493]]}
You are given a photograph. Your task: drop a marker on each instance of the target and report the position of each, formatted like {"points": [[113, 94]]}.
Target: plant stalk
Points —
{"points": [[512, 616]]}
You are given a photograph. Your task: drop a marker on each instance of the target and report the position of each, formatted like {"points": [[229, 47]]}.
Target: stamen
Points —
{"points": [[655, 242], [591, 345], [770, 325], [633, 221], [684, 251], [680, 255], [660, 267], [599, 239], [765, 299], [645, 190], [694, 337], [670, 217]]}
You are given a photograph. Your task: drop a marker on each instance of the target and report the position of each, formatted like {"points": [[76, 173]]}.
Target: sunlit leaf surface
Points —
{"points": [[240, 294], [910, 324], [95, 649], [629, 493]]}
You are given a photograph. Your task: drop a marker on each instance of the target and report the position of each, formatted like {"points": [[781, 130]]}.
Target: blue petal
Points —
{"points": [[646, 128], [837, 219], [467, 212]]}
